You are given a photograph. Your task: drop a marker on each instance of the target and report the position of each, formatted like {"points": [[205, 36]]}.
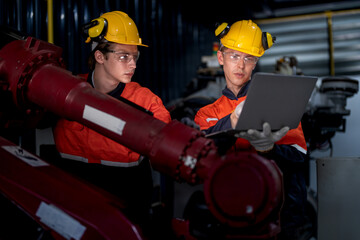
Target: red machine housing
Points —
{"points": [[243, 191]]}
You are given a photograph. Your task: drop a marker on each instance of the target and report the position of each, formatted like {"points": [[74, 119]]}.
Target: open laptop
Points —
{"points": [[277, 99]]}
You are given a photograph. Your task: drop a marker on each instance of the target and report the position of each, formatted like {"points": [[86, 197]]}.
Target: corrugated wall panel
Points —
{"points": [[307, 38], [346, 36]]}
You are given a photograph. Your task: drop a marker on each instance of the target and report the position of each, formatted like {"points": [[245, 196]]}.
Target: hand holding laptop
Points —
{"points": [[279, 100], [263, 141]]}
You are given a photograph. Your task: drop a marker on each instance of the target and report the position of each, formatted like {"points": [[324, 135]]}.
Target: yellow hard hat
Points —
{"points": [[115, 27], [245, 36]]}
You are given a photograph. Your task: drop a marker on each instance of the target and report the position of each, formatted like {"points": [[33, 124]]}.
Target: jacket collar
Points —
{"points": [[243, 91], [114, 93]]}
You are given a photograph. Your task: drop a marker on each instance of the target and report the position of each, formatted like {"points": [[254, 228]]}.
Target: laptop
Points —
{"points": [[274, 98]]}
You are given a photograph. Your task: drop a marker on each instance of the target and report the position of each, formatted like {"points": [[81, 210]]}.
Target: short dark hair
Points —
{"points": [[102, 47]]}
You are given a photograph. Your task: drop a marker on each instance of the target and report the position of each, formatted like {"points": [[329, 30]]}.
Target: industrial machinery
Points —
{"points": [[242, 192], [324, 116], [326, 111]]}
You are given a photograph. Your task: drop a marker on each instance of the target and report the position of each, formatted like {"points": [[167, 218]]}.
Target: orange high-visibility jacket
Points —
{"points": [[75, 141], [289, 153], [216, 117]]}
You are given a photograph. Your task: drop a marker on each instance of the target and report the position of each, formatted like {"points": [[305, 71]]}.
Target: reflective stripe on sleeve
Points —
{"points": [[103, 162], [212, 119], [122, 164], [299, 148]]}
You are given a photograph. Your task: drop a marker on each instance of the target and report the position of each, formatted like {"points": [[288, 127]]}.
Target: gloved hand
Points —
{"points": [[263, 141], [187, 121]]}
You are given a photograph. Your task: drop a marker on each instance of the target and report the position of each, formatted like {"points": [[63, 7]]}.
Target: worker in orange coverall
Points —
{"points": [[241, 45], [96, 158]]}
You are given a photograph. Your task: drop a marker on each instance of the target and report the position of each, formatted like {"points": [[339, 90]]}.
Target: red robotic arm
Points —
{"points": [[243, 191], [61, 204]]}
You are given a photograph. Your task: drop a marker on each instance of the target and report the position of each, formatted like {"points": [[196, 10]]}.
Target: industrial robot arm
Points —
{"points": [[243, 191]]}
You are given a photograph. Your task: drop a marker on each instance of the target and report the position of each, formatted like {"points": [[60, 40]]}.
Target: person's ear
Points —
{"points": [[99, 56], [220, 57]]}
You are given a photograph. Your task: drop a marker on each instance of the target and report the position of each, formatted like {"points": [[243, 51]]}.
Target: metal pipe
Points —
{"points": [[306, 16], [331, 43], [50, 10]]}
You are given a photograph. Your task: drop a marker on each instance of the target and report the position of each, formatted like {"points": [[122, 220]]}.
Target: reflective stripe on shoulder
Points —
{"points": [[299, 148], [212, 119], [103, 162]]}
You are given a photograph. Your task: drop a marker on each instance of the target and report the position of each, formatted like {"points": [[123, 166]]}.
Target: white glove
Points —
{"points": [[263, 141]]}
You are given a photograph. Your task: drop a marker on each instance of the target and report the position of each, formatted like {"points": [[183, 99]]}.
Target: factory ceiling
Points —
{"points": [[230, 10]]}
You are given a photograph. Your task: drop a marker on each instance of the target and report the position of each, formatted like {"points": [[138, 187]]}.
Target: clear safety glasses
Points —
{"points": [[125, 57], [236, 58]]}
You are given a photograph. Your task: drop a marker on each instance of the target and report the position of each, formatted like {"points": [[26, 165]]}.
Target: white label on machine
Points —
{"points": [[60, 222], [25, 156], [104, 120]]}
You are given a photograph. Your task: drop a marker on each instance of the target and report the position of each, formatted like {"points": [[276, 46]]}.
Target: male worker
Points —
{"points": [[97, 158], [241, 46]]}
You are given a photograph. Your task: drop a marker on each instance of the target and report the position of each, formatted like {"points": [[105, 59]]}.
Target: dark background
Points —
{"points": [[178, 32]]}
